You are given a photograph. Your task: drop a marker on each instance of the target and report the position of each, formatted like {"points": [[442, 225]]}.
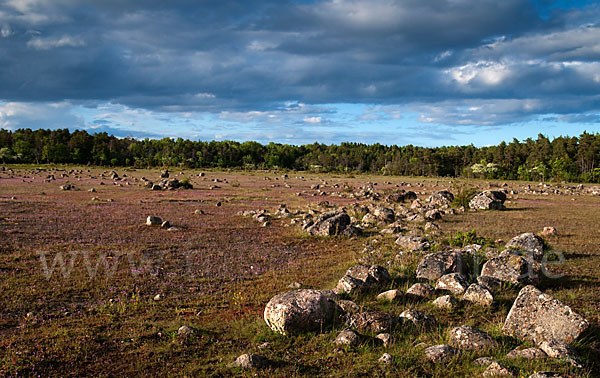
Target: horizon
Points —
{"points": [[428, 74]]}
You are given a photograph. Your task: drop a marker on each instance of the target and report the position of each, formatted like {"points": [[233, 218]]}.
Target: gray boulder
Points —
{"points": [[362, 277], [418, 319], [302, 310], [446, 301], [420, 290], [330, 224], [384, 214], [153, 221], [435, 265], [469, 338], [545, 374], [441, 198], [439, 353], [373, 322], [497, 369], [528, 242], [512, 269], [455, 283], [478, 294], [488, 200], [347, 337], [413, 243], [490, 283], [538, 317], [251, 361], [526, 353]]}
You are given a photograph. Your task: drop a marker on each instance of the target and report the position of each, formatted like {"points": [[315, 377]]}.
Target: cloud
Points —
{"points": [[52, 43]]}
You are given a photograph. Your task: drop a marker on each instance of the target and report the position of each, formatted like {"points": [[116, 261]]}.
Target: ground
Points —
{"points": [[79, 277]]}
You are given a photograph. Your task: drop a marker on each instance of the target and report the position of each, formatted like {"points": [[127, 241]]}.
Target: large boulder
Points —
{"points": [[330, 224], [413, 243], [302, 310], [384, 214], [435, 265], [488, 200], [362, 277], [441, 198], [478, 294], [512, 269], [469, 338], [538, 317], [528, 242]]}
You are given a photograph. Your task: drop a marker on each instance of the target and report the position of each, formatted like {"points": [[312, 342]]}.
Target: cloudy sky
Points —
{"points": [[424, 72]]}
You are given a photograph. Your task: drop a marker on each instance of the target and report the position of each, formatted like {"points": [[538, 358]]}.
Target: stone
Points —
{"points": [[295, 285], [385, 338], [386, 359], [185, 331], [251, 361], [435, 265], [526, 353], [488, 200], [560, 350], [165, 224], [513, 269], [478, 294], [329, 224], [413, 243], [549, 231], [373, 322], [441, 198], [446, 301], [469, 338], [393, 295], [496, 369], [419, 319], [537, 316], [433, 215], [420, 290], [348, 306], [439, 353], [483, 361], [456, 283], [545, 374], [528, 242], [490, 283], [384, 214], [153, 221], [347, 337], [302, 310], [362, 277]]}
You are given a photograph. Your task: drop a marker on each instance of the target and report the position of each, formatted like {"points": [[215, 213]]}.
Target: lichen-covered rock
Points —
{"points": [[512, 269], [386, 359], [373, 322], [384, 214], [478, 294], [328, 224], [496, 369], [439, 353], [302, 310], [441, 198], [469, 338], [420, 290], [537, 316], [393, 295], [560, 350], [526, 353], [446, 301], [413, 243], [384, 338], [488, 200], [348, 306], [545, 374], [433, 214], [347, 337], [435, 265], [362, 277], [251, 361], [418, 319], [491, 283], [455, 283], [528, 242]]}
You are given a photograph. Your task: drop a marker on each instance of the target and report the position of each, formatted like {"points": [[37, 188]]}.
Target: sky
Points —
{"points": [[421, 72]]}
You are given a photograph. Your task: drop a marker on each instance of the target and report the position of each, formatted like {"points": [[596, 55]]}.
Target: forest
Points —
{"points": [[569, 159]]}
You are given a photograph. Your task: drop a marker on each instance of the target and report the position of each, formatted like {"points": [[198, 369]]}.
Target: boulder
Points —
{"points": [[384, 338], [435, 265], [373, 322], [441, 198], [439, 353], [512, 269], [330, 224], [362, 277], [349, 307], [251, 361], [185, 331], [488, 200], [347, 337], [490, 283], [446, 301], [418, 319], [413, 243], [469, 338], [384, 214], [153, 221], [538, 317], [393, 295], [302, 310], [549, 231], [526, 353], [496, 369], [420, 290], [478, 294], [386, 359], [560, 350], [456, 283], [433, 215], [545, 374], [528, 242]]}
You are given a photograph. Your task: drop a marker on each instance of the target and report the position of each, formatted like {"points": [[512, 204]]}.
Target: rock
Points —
{"points": [[446, 301], [251, 361], [456, 283], [386, 359], [528, 242], [478, 294], [185, 331], [413, 243], [347, 337], [390, 296], [560, 350], [373, 322], [441, 198], [469, 338], [435, 265], [92, 190], [362, 277], [490, 283], [483, 361], [384, 214], [526, 353], [349, 307], [302, 310], [420, 290], [439, 353], [351, 231], [165, 224], [488, 200], [549, 231], [153, 221], [433, 215], [545, 374], [164, 174], [512, 269], [419, 319], [157, 187], [385, 338], [496, 369], [157, 297], [66, 187], [330, 224], [295, 285], [199, 212], [537, 316]]}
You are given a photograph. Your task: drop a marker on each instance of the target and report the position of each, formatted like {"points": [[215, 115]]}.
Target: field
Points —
{"points": [[80, 273]]}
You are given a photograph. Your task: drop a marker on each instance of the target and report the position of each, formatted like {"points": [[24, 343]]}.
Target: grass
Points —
{"points": [[219, 270]]}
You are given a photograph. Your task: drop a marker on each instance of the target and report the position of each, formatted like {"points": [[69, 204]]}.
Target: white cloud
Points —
{"points": [[16, 115], [486, 72], [312, 120], [52, 43]]}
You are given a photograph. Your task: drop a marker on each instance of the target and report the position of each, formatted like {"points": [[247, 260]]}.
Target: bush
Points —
{"points": [[463, 194]]}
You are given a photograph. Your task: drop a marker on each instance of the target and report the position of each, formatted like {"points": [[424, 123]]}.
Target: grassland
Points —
{"points": [[217, 271]]}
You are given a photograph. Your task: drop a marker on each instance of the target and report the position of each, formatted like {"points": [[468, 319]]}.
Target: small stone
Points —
{"points": [[446, 301], [185, 331], [165, 224], [153, 221], [439, 353], [456, 283], [295, 285], [545, 374], [157, 297], [483, 361], [420, 290], [386, 339], [526, 353], [199, 212], [386, 359], [478, 294], [549, 231], [470, 338], [347, 337], [419, 319], [390, 296], [496, 369], [251, 361]]}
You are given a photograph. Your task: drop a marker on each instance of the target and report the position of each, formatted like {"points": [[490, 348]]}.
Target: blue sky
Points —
{"points": [[423, 72]]}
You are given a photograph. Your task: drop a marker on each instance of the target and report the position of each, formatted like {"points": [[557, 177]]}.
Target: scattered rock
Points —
{"points": [[386, 339], [560, 350], [420, 290], [251, 361], [549, 231], [456, 283], [488, 200], [435, 265], [441, 198], [413, 243], [199, 212], [419, 319], [478, 294], [373, 322], [526, 353], [153, 221], [295, 285], [537, 316], [490, 283], [347, 337], [66, 187], [469, 338], [528, 242], [483, 361], [185, 331], [496, 369], [393, 295], [386, 359], [349, 307], [302, 310], [512, 269], [545, 374], [330, 224], [157, 297], [439, 353], [446, 301], [165, 224], [362, 277]]}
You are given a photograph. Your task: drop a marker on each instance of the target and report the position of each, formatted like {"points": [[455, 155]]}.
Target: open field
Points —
{"points": [[217, 270]]}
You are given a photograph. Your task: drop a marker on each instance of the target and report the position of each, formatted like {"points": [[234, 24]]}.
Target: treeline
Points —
{"points": [[562, 159]]}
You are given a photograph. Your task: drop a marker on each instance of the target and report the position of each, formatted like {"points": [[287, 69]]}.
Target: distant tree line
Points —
{"points": [[573, 159]]}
